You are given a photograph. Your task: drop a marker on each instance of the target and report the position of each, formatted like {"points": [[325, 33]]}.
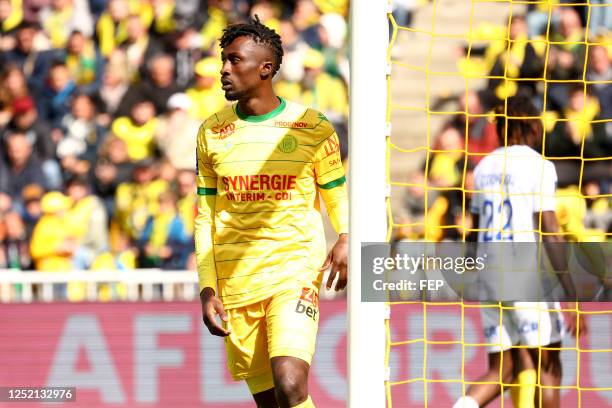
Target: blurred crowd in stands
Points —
{"points": [[563, 63], [100, 104]]}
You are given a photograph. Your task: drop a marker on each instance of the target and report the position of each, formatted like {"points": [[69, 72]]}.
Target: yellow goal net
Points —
{"points": [[450, 63]]}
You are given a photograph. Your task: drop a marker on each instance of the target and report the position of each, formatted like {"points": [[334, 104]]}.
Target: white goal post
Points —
{"points": [[368, 190]]}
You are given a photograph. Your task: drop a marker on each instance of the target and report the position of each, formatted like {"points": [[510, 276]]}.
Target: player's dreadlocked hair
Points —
{"points": [[260, 33], [521, 118]]}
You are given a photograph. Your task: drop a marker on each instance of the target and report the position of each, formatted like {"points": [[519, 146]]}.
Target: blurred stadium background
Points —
{"points": [[99, 104]]}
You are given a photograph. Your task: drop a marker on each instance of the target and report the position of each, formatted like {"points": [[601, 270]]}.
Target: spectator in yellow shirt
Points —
{"points": [[317, 89], [206, 95], [62, 17], [165, 243], [137, 130], [82, 59], [186, 186], [333, 6], [10, 17], [52, 244], [444, 170], [112, 25], [120, 257], [87, 222], [135, 201]]}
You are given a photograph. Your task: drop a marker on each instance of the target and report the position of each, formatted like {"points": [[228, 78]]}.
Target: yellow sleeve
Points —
{"points": [[204, 222], [15, 17], [106, 38], [213, 27], [331, 182], [164, 18]]}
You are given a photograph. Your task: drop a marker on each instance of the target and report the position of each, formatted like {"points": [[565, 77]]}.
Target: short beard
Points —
{"points": [[233, 95]]}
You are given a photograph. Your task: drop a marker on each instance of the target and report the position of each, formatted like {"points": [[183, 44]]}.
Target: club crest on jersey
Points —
{"points": [[288, 144], [224, 130]]}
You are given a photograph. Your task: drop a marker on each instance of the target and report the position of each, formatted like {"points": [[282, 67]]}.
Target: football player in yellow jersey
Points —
{"points": [[262, 165]]}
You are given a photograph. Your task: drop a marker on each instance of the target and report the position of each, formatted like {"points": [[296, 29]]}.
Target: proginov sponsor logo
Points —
{"points": [[282, 123]]}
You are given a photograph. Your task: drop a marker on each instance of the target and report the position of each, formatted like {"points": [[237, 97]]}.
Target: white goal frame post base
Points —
{"points": [[368, 190]]}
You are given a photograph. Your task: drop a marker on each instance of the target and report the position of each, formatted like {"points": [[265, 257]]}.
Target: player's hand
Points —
{"points": [[211, 307], [338, 260], [575, 325]]}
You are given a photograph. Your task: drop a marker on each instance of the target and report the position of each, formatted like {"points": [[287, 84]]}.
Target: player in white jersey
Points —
{"points": [[514, 200]]}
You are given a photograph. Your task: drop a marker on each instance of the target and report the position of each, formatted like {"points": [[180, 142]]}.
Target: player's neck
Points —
{"points": [[513, 144], [260, 104]]}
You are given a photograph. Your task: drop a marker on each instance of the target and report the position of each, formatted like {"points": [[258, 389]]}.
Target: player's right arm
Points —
{"points": [[557, 255], [204, 230], [544, 211], [331, 184]]}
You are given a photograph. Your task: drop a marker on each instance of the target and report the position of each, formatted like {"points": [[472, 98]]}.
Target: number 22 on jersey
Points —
{"points": [[495, 215]]}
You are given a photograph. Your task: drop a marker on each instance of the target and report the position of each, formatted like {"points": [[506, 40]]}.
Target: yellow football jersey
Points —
{"points": [[259, 228]]}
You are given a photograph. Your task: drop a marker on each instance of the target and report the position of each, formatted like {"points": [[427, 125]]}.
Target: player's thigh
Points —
{"points": [[538, 323], [548, 359], [292, 319], [247, 350], [499, 331]]}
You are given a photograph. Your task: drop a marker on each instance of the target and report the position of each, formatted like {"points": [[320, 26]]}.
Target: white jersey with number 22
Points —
{"points": [[512, 183]]}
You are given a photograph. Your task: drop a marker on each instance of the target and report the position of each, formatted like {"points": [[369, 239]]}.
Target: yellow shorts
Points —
{"points": [[283, 325]]}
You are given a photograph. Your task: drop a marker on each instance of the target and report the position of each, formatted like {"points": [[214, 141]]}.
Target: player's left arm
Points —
{"points": [[475, 205], [331, 184], [554, 244], [556, 250], [546, 219], [557, 254]]}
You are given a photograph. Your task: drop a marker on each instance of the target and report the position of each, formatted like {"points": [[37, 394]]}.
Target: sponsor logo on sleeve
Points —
{"points": [[331, 146]]}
